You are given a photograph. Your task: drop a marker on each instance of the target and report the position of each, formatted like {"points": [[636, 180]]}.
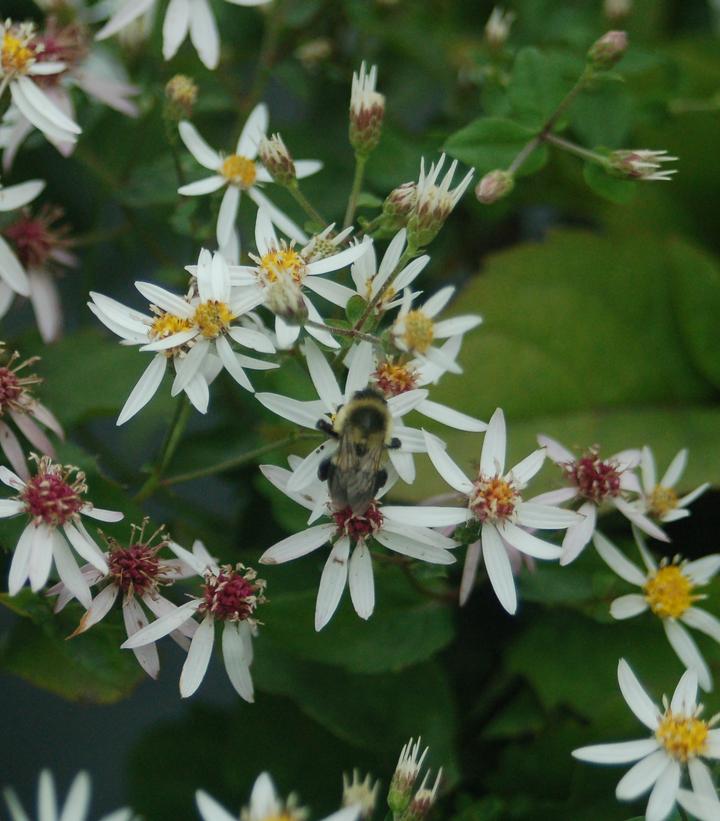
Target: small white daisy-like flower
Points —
{"points": [[331, 397], [597, 482], [76, 804], [210, 317], [680, 740], [360, 793], [136, 572], [642, 164], [240, 172], [182, 17], [265, 806], [52, 499], [230, 596], [495, 501], [404, 530], [13, 278], [403, 800], [415, 329], [19, 63], [283, 274], [497, 28], [668, 591], [370, 279], [659, 500], [18, 403]]}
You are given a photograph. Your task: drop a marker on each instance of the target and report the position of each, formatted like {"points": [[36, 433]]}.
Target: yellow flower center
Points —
{"points": [[239, 170], [669, 592], [281, 263], [168, 324], [682, 737], [395, 378], [493, 498], [284, 816], [662, 500], [212, 317], [419, 331], [16, 57]]}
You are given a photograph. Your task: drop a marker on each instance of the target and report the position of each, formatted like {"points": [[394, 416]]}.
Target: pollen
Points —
{"points": [[662, 500], [239, 170], [168, 324], [358, 526], [15, 55], [594, 478], [212, 317], [419, 331], [53, 495], [282, 263], [395, 378], [493, 499], [683, 737], [232, 594], [669, 592]]}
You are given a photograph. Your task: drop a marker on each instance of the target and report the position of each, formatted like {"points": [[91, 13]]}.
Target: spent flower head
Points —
{"points": [[276, 158], [181, 93], [642, 164], [367, 111]]}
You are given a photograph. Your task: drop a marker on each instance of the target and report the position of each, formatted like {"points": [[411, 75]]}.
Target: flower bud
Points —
{"points": [[400, 794], [617, 9], [398, 205], [276, 158], [494, 186], [181, 94], [497, 28], [423, 800], [608, 50], [367, 110], [641, 164]]}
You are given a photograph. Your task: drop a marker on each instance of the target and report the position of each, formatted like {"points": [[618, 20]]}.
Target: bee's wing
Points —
{"points": [[354, 479]]}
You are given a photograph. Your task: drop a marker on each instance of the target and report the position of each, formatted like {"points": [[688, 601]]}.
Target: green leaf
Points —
{"points": [[152, 183], [367, 200], [355, 308], [492, 142], [603, 113], [90, 667], [606, 185], [697, 289]]}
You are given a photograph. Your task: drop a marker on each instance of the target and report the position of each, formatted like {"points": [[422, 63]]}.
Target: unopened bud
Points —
{"points": [[641, 164], [423, 800], [367, 111], [276, 158], [617, 9], [608, 50], [398, 205], [497, 28], [494, 186], [181, 94], [362, 794], [400, 794]]}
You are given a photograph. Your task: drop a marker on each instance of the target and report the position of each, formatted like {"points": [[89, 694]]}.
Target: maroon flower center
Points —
{"points": [[10, 388], [594, 478], [231, 595], [493, 498], [32, 239], [135, 569], [358, 526], [393, 379], [49, 498]]}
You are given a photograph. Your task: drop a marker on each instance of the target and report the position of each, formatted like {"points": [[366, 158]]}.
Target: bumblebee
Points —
{"points": [[355, 472]]}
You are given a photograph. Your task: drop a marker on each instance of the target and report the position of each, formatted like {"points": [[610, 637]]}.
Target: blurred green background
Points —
{"points": [[600, 327]]}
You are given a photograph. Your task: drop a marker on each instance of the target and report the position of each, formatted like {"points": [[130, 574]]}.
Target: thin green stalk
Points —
{"points": [[305, 203], [266, 59], [360, 162], [578, 150], [353, 332], [408, 254], [172, 440], [237, 461]]}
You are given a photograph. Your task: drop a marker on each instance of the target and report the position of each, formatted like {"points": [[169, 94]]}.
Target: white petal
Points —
{"points": [[135, 620], [527, 543], [47, 800], [456, 326], [127, 12], [299, 544], [12, 272], [640, 520], [577, 536], [263, 800], [617, 560], [684, 645], [547, 517], [557, 452], [198, 657], [175, 26], [701, 780], [638, 779], [16, 196], [410, 547], [307, 471], [361, 367], [160, 606], [101, 514], [647, 470], [237, 664], [703, 621], [675, 469], [164, 625], [498, 568], [198, 393], [253, 130], [684, 698], [166, 300], [77, 801], [361, 581], [689, 498], [623, 752], [445, 466], [662, 798], [42, 103], [227, 214], [426, 516], [403, 465], [303, 168], [283, 222], [627, 459], [336, 261], [306, 414], [10, 507], [626, 607], [637, 699], [702, 570], [332, 583], [322, 377], [702, 807], [472, 559], [7, 477], [19, 566], [187, 367], [210, 810], [204, 33], [206, 185], [405, 402], [69, 572], [249, 338], [555, 497], [231, 363], [438, 301], [45, 299], [40, 557], [492, 458], [451, 417], [332, 291], [85, 546], [99, 608], [196, 145], [38, 117], [524, 471]]}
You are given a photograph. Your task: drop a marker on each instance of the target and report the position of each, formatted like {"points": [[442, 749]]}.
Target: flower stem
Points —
{"points": [[238, 461], [268, 53], [573, 148], [305, 204], [360, 161], [408, 254], [353, 332], [172, 440]]}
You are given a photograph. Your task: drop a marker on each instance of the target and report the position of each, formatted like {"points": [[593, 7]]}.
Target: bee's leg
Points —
{"points": [[380, 479], [326, 427], [324, 469], [395, 443]]}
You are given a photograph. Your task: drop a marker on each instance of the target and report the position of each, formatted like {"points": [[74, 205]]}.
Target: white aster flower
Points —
{"points": [[209, 320], [52, 499], [680, 740], [265, 806], [13, 278], [75, 808], [495, 501], [182, 17], [18, 404], [19, 63], [415, 329], [230, 595], [370, 279], [240, 172], [596, 481], [659, 500], [668, 592], [283, 274], [331, 397], [404, 530]]}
